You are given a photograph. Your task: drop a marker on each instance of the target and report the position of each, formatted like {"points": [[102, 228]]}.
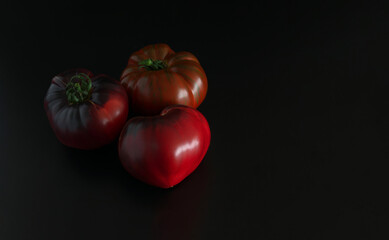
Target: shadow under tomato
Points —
{"points": [[102, 167], [99, 162]]}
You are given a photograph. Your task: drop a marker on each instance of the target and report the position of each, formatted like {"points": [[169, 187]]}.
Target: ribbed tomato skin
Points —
{"points": [[164, 149], [182, 82], [91, 124]]}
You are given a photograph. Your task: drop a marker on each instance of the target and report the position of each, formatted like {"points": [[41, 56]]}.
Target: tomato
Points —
{"points": [[157, 77], [164, 149], [86, 111]]}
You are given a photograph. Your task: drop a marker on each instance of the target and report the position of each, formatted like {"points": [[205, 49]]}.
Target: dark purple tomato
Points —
{"points": [[86, 111]]}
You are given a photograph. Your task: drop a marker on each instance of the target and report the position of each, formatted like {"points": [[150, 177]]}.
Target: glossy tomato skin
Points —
{"points": [[183, 81], [90, 124], [163, 150]]}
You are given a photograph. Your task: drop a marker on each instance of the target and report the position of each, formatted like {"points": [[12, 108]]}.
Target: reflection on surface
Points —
{"points": [[186, 147], [110, 192], [178, 213], [182, 94]]}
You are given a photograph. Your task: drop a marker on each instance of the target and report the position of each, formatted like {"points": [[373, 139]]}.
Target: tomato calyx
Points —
{"points": [[79, 88], [151, 64]]}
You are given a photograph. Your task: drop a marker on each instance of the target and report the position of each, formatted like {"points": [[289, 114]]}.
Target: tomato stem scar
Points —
{"points": [[151, 64], [78, 89]]}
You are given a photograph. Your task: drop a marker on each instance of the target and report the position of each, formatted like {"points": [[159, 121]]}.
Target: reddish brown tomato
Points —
{"points": [[157, 77]]}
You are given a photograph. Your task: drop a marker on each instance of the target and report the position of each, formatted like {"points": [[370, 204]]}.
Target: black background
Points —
{"points": [[297, 105]]}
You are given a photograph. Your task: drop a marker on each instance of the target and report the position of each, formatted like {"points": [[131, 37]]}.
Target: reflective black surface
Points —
{"points": [[297, 105]]}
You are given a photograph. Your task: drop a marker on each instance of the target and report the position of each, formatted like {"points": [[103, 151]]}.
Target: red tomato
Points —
{"points": [[157, 77], [163, 150], [86, 111]]}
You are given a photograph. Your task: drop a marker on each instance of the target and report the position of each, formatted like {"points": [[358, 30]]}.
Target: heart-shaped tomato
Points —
{"points": [[163, 150]]}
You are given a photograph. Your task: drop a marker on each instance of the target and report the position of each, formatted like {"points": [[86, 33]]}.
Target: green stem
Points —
{"points": [[79, 91], [151, 64]]}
